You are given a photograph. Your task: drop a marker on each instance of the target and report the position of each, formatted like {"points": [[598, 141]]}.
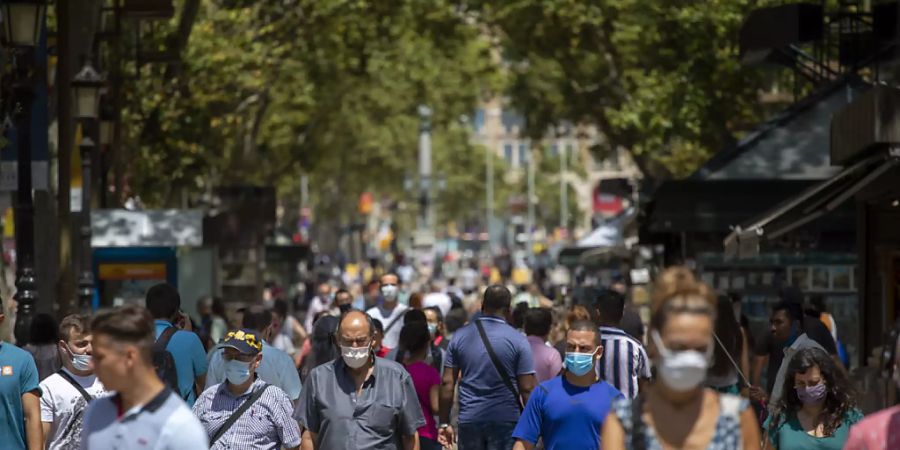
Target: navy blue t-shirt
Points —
{"points": [[566, 416]]}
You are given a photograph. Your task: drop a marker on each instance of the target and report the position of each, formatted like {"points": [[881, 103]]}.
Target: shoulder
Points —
{"points": [[853, 416], [608, 389], [182, 426], [51, 382], [321, 371], [101, 410], [733, 405], [16, 354], [209, 393], [392, 369]]}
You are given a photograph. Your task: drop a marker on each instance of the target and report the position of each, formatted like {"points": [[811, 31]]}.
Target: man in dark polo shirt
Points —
{"points": [[358, 401]]}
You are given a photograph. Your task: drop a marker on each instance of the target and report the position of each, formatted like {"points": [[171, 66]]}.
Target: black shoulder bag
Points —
{"points": [[237, 414], [84, 393], [503, 376]]}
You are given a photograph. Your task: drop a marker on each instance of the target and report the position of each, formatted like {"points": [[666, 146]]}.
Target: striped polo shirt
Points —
{"points": [[624, 361]]}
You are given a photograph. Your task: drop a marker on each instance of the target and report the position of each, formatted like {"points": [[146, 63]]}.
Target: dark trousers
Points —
{"points": [[428, 444], [486, 436]]}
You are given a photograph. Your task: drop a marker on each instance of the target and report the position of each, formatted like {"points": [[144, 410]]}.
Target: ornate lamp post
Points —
{"points": [[22, 25], [86, 86]]}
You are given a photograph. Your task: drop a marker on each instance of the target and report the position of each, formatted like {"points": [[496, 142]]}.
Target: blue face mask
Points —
{"points": [[579, 363], [237, 372]]}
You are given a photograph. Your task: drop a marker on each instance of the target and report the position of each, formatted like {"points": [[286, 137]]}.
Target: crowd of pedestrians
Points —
{"points": [[391, 369]]}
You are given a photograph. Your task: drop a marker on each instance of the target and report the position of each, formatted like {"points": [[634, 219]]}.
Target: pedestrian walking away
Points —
{"points": [[547, 362], [567, 412], [624, 363], [276, 368], [676, 411], [359, 401], [493, 366], [20, 423], [144, 413], [66, 394], [246, 412], [389, 312], [188, 353]]}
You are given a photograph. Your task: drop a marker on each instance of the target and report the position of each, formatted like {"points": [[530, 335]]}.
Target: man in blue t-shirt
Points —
{"points": [[20, 408], [488, 408], [164, 303], [568, 411]]}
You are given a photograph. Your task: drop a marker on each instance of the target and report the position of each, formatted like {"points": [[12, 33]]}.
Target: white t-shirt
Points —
{"points": [[392, 335], [64, 407]]}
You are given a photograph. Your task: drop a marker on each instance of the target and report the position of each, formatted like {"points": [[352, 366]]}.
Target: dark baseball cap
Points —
{"points": [[244, 340]]}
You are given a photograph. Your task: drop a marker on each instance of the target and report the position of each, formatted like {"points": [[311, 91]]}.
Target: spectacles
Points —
{"points": [[358, 342]]}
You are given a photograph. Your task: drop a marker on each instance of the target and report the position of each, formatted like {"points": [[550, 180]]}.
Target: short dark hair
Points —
{"points": [[587, 325], [610, 305], [342, 291], [44, 329], [130, 324], [74, 323], [414, 315], [496, 298], [163, 301], [793, 310], [437, 311], [256, 318], [455, 319], [280, 307], [538, 321], [414, 337]]}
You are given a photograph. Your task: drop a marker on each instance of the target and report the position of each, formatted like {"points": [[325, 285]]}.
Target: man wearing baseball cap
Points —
{"points": [[244, 411]]}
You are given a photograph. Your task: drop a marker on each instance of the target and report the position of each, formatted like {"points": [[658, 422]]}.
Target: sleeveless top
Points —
{"points": [[727, 435]]}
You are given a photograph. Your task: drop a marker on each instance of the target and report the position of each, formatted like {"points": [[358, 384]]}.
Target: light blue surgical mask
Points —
{"points": [[579, 363], [236, 371], [432, 329]]}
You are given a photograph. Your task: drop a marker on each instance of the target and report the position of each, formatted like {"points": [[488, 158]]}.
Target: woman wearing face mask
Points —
{"points": [[676, 411], [817, 408]]}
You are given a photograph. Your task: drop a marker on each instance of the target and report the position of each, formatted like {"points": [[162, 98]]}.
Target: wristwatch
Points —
{"points": [[443, 425]]}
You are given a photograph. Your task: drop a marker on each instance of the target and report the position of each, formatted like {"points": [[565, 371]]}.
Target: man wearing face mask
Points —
{"points": [[277, 367], [343, 302], [245, 411], [358, 401], [567, 411], [390, 312], [66, 394]]}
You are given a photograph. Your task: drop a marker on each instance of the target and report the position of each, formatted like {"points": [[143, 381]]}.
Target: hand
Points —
{"points": [[757, 394], [184, 322], [446, 437]]}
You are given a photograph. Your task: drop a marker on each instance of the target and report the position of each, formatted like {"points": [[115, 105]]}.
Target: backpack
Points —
{"points": [[163, 361]]}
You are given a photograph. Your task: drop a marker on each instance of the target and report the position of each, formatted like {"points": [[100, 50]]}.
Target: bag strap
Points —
{"points": [[163, 340], [500, 370], [84, 393], [394, 322], [237, 414]]}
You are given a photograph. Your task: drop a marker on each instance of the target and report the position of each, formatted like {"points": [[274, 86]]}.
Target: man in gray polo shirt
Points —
{"points": [[358, 401], [144, 413]]}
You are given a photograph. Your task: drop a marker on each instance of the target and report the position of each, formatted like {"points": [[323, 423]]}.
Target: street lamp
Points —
{"points": [[22, 26], [86, 278], [86, 85], [22, 20]]}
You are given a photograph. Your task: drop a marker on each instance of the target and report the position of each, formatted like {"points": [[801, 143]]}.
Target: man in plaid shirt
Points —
{"points": [[267, 423]]}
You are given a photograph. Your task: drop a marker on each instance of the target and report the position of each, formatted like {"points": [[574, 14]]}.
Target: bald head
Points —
{"points": [[355, 330]]}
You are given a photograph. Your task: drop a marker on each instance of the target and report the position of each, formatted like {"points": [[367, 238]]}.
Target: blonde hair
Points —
{"points": [[678, 291]]}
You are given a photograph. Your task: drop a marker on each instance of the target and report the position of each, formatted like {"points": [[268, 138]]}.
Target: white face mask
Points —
{"points": [[355, 357], [390, 291], [682, 370], [81, 363]]}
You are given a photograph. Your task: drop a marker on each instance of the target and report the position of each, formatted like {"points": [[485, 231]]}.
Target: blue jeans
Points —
{"points": [[486, 436]]}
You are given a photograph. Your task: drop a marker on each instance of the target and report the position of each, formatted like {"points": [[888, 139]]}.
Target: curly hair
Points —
{"points": [[678, 291], [839, 399]]}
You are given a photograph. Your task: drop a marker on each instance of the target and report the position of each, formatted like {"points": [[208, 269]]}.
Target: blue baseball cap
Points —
{"points": [[244, 340]]}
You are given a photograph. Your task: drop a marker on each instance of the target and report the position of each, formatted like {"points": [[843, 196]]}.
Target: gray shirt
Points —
{"points": [[164, 423], [386, 409]]}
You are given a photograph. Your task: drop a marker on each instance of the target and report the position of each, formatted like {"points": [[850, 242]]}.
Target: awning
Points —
{"points": [[809, 205]]}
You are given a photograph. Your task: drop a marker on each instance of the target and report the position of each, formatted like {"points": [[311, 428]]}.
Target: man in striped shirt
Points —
{"points": [[624, 363]]}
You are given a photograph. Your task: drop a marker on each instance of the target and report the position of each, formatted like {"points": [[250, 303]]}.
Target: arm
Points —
{"points": [[523, 445], [448, 384], [45, 431], [33, 426], [308, 440], [526, 385], [433, 395], [749, 430], [613, 435], [199, 363], [411, 442]]}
